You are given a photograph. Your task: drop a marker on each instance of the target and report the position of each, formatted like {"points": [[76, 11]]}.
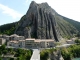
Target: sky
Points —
{"points": [[13, 10]]}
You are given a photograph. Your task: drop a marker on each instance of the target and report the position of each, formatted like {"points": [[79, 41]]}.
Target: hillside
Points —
{"points": [[43, 22], [8, 28], [74, 23]]}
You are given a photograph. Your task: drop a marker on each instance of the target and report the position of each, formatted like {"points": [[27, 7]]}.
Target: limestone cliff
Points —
{"points": [[43, 22]]}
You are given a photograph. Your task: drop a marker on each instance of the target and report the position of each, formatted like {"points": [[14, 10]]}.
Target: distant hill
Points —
{"points": [[43, 22], [8, 28]]}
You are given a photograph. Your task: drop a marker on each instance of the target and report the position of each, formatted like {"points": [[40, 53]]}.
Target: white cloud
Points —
{"points": [[27, 1], [6, 10]]}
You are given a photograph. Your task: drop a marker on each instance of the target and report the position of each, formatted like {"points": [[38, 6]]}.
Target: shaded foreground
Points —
{"points": [[14, 54]]}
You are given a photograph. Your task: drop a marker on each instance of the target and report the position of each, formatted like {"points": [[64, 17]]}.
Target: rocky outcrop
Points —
{"points": [[42, 22], [55, 56]]}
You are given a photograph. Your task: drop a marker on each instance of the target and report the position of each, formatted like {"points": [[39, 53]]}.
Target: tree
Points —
{"points": [[11, 58], [0, 58], [2, 47], [44, 55], [77, 41], [5, 51]]}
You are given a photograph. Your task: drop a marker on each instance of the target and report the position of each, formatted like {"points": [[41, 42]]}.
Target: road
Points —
{"points": [[36, 54], [64, 45]]}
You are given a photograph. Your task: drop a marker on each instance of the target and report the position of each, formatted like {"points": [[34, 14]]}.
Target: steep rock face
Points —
{"points": [[42, 22]]}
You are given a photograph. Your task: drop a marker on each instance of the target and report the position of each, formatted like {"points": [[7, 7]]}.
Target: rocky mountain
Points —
{"points": [[43, 22]]}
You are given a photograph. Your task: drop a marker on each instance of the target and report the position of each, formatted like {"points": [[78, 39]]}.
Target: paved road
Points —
{"points": [[36, 54], [64, 45]]}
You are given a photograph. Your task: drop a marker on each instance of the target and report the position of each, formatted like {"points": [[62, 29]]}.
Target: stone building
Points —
{"points": [[70, 41], [13, 37], [32, 43], [2, 41]]}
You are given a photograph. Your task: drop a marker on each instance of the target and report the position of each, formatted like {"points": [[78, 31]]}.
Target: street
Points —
{"points": [[36, 54]]}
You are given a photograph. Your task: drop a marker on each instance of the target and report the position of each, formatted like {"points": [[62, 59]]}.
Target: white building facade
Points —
{"points": [[32, 43]]}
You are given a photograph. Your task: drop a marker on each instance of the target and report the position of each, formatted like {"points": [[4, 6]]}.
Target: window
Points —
{"points": [[28, 44]]}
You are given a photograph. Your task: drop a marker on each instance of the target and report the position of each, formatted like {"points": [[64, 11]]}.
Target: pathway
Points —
{"points": [[36, 54]]}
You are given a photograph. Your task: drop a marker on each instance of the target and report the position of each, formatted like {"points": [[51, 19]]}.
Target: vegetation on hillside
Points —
{"points": [[44, 54], [71, 52], [20, 54], [68, 53], [8, 28], [77, 41], [74, 23], [67, 30]]}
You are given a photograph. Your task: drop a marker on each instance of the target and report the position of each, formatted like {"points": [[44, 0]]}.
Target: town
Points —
{"points": [[20, 42], [15, 41]]}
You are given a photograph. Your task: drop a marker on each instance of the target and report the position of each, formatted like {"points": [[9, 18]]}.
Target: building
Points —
{"points": [[0, 36], [8, 38], [16, 37], [17, 44], [39, 43], [2, 41], [13, 44], [13, 37], [21, 43], [32, 43], [47, 43], [70, 41], [29, 43]]}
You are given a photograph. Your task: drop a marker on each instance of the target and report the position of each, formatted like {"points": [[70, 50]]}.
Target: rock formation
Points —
{"points": [[43, 22]]}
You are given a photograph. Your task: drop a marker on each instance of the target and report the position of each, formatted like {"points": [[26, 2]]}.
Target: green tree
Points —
{"points": [[0, 58], [2, 47], [11, 58], [5, 51], [77, 41], [44, 55]]}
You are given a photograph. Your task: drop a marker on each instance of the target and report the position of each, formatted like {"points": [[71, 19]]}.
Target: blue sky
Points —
{"points": [[13, 10]]}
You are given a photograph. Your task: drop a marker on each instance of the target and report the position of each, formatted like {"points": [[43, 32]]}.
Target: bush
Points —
{"points": [[71, 52], [5, 51], [11, 58], [44, 55], [77, 41]]}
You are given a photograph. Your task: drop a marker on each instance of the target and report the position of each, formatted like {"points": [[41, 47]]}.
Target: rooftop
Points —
{"points": [[14, 35], [21, 40], [30, 39], [14, 41]]}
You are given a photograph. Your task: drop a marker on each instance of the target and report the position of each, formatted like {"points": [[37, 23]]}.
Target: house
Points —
{"points": [[0, 36], [21, 43], [47, 43], [2, 41], [13, 37], [16, 44], [8, 38], [39, 43], [16, 37], [13, 44], [70, 41], [32, 43]]}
